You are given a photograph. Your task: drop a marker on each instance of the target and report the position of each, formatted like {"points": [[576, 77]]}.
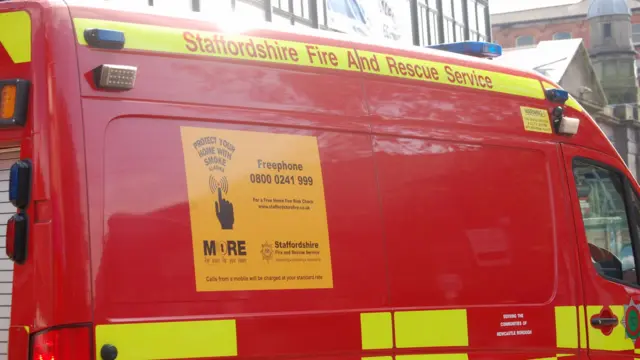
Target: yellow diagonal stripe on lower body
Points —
{"points": [[617, 341], [583, 327], [431, 328], [15, 35], [170, 340], [567, 327], [377, 331]]}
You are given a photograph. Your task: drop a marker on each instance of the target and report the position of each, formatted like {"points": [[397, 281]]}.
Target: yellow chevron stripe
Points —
{"points": [[170, 340], [15, 35]]}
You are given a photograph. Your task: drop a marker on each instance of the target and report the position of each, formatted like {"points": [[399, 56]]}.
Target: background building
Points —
{"points": [[417, 22], [609, 30], [529, 27]]}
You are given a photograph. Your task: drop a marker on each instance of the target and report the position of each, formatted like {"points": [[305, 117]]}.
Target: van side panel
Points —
{"points": [[407, 211], [475, 217], [146, 266], [143, 255], [147, 233]]}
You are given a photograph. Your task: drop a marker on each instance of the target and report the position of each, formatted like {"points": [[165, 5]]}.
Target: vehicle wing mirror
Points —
{"points": [[584, 191], [607, 263]]}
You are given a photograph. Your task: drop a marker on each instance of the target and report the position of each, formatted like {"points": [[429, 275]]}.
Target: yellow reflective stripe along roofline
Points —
{"points": [[252, 48], [170, 340], [15, 35]]}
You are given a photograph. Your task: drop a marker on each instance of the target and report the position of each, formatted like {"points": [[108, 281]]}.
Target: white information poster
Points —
{"points": [[380, 19]]}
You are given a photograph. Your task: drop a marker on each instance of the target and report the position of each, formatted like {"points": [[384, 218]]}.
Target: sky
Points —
{"points": [[500, 6]]}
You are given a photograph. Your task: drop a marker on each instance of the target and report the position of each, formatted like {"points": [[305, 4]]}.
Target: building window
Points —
{"points": [[476, 14], [458, 20], [561, 36], [483, 17], [526, 40], [635, 31], [610, 69], [249, 10], [294, 11], [281, 4], [606, 30], [626, 68], [453, 21], [428, 19]]}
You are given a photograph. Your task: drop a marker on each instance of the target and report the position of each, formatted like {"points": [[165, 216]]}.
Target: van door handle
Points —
{"points": [[604, 321]]}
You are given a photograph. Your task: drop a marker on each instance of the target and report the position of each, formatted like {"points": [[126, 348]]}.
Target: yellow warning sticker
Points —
{"points": [[536, 120], [258, 216]]}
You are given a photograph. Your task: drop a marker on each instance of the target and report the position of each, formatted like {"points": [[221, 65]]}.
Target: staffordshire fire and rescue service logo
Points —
{"points": [[631, 320], [267, 251]]}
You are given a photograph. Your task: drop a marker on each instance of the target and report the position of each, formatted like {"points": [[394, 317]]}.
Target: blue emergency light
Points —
{"points": [[557, 95], [104, 38], [20, 183], [471, 48]]}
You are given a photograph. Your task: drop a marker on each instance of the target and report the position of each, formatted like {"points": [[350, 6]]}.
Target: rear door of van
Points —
{"points": [[15, 77], [606, 204]]}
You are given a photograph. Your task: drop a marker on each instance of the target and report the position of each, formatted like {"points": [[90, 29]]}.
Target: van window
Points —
{"points": [[606, 222]]}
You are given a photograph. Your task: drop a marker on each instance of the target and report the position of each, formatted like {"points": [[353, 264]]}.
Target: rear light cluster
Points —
{"points": [[73, 343], [14, 101], [19, 195]]}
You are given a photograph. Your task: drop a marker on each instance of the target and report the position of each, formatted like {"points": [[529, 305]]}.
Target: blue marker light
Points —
{"points": [[105, 39], [471, 48], [557, 95], [13, 183], [20, 183]]}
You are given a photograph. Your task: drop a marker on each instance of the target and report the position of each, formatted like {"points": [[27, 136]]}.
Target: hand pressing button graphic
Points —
{"points": [[224, 212]]}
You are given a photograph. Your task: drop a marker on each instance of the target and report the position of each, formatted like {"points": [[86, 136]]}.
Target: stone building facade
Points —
{"points": [[610, 32]]}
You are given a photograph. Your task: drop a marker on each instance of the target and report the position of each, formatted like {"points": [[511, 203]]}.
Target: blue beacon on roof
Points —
{"points": [[471, 48]]}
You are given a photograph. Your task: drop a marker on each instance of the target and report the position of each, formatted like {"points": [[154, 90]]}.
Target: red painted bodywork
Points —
{"points": [[436, 196]]}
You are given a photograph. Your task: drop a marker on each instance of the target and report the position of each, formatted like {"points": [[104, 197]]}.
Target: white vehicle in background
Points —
{"points": [[388, 18], [378, 19], [348, 16]]}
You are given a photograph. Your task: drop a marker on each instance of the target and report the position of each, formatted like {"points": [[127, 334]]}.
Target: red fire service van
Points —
{"points": [[183, 190]]}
